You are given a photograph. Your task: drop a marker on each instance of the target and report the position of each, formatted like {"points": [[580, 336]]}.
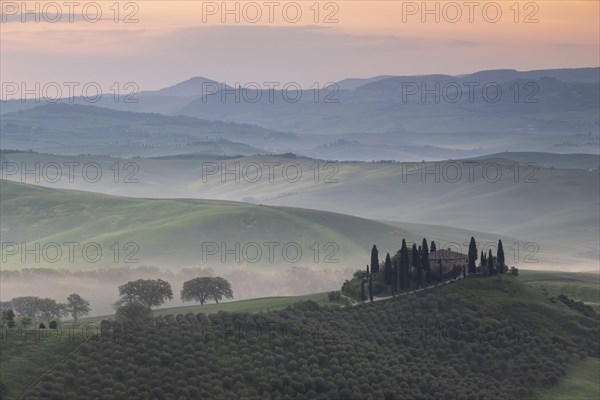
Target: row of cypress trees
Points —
{"points": [[396, 270]]}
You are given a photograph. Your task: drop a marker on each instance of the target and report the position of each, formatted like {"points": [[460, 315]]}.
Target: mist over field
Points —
{"points": [[299, 200]]}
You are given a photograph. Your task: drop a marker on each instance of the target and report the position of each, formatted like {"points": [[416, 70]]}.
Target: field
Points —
{"points": [[543, 233], [146, 228], [581, 383], [260, 304], [511, 301], [536, 352], [319, 203], [22, 359], [583, 287]]}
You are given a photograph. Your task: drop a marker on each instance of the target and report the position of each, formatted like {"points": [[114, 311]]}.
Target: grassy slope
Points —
{"points": [[583, 287], [559, 212], [253, 305], [523, 306], [171, 232], [21, 363], [505, 300], [581, 383]]}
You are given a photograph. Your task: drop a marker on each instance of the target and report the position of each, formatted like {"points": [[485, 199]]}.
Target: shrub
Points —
{"points": [[334, 296]]}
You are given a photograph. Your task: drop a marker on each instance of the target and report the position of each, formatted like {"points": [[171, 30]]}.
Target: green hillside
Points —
{"points": [[583, 287], [178, 232], [493, 337], [581, 383], [23, 360], [552, 204]]}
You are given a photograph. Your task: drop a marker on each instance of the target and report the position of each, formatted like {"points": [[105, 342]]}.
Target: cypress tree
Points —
{"points": [[404, 266], [394, 276], [387, 269], [441, 273], [415, 256], [371, 287], [362, 290], [483, 261], [425, 259], [472, 256], [374, 259], [419, 266], [362, 285], [399, 271], [490, 261], [500, 257]]}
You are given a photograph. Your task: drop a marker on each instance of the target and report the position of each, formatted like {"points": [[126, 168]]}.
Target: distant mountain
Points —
{"points": [[402, 118], [353, 83], [568, 75], [425, 105], [193, 87], [499, 76], [77, 129]]}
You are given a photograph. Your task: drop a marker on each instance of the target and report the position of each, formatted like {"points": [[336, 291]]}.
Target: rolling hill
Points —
{"points": [[171, 232], [549, 200], [83, 129], [390, 117], [492, 337]]}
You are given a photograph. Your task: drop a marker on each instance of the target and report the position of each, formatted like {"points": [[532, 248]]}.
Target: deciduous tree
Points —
{"points": [[206, 288], [152, 293], [77, 306]]}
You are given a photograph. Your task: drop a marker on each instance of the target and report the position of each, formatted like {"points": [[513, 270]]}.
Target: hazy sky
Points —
{"points": [[175, 40]]}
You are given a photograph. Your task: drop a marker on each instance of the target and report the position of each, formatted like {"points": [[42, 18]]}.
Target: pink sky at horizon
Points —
{"points": [[175, 40]]}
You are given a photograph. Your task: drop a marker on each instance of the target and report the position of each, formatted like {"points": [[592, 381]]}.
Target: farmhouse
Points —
{"points": [[448, 259]]}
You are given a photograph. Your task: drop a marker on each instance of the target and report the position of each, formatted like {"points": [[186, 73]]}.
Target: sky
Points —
{"points": [[155, 44]]}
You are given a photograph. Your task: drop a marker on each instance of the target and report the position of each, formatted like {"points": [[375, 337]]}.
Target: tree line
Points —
{"points": [[435, 346], [410, 269], [32, 309], [136, 300]]}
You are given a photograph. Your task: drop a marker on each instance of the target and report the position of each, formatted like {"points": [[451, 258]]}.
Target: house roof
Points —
{"points": [[446, 255]]}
